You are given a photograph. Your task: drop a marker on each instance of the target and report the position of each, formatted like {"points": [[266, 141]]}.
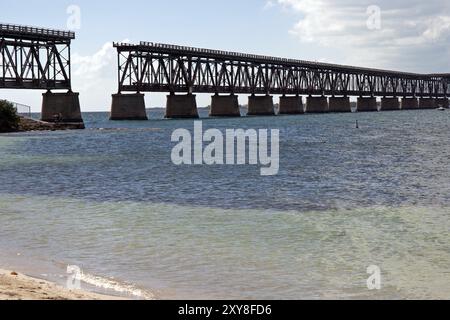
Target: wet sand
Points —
{"points": [[16, 286]]}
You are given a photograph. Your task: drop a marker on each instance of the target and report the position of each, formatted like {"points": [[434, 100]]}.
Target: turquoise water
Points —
{"points": [[109, 200]]}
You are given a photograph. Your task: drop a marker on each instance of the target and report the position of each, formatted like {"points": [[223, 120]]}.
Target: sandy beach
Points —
{"points": [[16, 286]]}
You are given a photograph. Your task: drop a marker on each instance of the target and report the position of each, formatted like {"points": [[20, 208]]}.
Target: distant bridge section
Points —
{"points": [[182, 71], [151, 67]]}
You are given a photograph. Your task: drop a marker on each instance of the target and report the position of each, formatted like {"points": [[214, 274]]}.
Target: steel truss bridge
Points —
{"points": [[152, 67], [34, 58]]}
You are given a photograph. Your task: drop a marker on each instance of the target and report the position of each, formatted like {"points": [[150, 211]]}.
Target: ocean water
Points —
{"points": [[109, 199]]}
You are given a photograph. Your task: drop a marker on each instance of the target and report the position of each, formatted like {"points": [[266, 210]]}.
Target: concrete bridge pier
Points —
{"points": [[442, 102], [390, 104], [291, 105], [181, 107], [367, 104], [61, 107], [261, 106], [410, 104], [225, 106], [317, 105], [427, 103], [340, 104], [128, 107]]}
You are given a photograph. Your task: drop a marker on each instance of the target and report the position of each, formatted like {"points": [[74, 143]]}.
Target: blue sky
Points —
{"points": [[412, 36], [227, 24]]}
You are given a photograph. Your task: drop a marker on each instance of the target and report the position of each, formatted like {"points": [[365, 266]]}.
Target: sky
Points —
{"points": [[411, 35]]}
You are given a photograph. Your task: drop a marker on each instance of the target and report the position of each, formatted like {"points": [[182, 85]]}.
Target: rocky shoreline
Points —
{"points": [[27, 124]]}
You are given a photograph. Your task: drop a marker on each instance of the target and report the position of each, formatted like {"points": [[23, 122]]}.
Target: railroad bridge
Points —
{"points": [[39, 59], [183, 71]]}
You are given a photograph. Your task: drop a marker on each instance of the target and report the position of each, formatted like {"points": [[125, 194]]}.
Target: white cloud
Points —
{"points": [[95, 77], [88, 67], [414, 34], [269, 4]]}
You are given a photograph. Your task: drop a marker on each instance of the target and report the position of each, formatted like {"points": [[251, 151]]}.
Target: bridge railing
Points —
{"points": [[21, 29]]}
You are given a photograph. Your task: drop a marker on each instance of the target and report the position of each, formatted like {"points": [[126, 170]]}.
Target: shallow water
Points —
{"points": [[109, 200]]}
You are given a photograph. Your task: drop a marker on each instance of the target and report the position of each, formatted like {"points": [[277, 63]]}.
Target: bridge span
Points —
{"points": [[183, 71]]}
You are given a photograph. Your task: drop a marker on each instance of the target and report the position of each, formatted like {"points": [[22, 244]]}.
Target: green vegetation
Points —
{"points": [[9, 120]]}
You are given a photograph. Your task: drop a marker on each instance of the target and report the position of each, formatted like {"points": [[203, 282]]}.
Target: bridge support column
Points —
{"points": [[427, 103], [128, 107], [181, 107], [410, 104], [291, 105], [367, 104], [340, 104], [390, 104], [225, 106], [63, 107], [442, 102], [260, 106], [317, 105]]}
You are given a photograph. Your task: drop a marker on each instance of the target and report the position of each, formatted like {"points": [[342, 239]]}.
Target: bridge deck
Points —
{"points": [[12, 31]]}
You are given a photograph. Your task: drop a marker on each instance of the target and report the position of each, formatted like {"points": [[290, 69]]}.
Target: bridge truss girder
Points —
{"points": [[30, 64], [142, 69]]}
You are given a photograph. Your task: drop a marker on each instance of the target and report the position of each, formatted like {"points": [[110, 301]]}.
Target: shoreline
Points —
{"points": [[17, 286], [28, 124], [33, 125]]}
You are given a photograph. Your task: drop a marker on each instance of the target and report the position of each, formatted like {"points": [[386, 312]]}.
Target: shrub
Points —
{"points": [[9, 120]]}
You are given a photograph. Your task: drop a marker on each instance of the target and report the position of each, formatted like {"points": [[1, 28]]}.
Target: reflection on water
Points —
{"points": [[109, 199]]}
